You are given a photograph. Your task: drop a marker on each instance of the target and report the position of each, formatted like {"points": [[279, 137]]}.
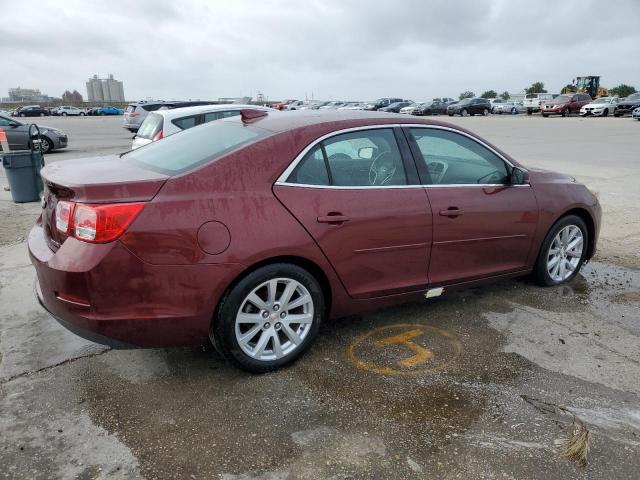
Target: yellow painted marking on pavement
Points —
{"points": [[421, 354]]}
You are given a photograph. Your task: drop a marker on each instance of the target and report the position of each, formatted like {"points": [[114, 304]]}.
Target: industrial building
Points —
{"points": [[105, 89]]}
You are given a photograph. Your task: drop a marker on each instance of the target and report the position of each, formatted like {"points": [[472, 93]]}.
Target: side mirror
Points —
{"points": [[519, 176], [365, 152]]}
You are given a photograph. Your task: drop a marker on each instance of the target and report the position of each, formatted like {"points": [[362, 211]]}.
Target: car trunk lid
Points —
{"points": [[95, 180]]}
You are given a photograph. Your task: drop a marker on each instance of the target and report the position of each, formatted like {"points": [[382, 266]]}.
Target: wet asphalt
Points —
{"points": [[470, 385]]}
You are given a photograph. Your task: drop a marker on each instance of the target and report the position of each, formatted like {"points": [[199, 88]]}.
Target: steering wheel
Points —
{"points": [[382, 169]]}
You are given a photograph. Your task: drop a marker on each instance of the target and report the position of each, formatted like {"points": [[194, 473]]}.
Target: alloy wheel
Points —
{"points": [[274, 319], [565, 253]]}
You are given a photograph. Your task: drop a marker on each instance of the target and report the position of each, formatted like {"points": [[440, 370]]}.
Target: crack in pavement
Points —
{"points": [[50, 367]]}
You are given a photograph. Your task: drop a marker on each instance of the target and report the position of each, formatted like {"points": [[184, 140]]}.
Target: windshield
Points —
{"points": [[602, 100], [465, 101], [562, 99], [195, 146], [634, 96]]}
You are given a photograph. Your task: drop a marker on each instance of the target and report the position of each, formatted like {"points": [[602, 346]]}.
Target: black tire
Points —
{"points": [[223, 328], [545, 115], [47, 145], [64, 114], [566, 112], [529, 112], [605, 113], [617, 115], [450, 114], [485, 112], [82, 114], [464, 113], [540, 273], [21, 115]]}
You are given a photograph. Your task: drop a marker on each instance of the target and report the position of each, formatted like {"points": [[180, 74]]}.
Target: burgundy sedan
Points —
{"points": [[251, 231]]}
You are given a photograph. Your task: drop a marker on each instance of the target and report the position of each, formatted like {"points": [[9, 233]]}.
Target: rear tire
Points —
{"points": [[554, 247], [258, 303], [545, 115], [566, 112], [64, 114]]}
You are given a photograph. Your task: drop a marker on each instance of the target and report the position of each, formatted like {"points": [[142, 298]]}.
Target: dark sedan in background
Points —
{"points": [[31, 111], [470, 106], [395, 107], [254, 229], [431, 108], [18, 135], [627, 105]]}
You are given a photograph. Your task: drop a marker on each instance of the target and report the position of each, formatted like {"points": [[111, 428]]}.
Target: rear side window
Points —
{"points": [[195, 146], [185, 122], [150, 127], [312, 170], [366, 158], [211, 116], [130, 108]]}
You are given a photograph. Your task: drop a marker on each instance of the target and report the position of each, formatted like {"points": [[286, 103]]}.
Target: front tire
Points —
{"points": [[485, 112], [47, 145], [464, 113], [566, 112], [563, 252], [269, 318], [605, 113]]}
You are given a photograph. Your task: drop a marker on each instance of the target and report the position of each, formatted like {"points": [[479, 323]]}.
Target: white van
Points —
{"points": [[532, 101]]}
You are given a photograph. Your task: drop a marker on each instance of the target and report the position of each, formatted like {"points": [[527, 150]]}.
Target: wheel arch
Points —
{"points": [[302, 262], [584, 214]]}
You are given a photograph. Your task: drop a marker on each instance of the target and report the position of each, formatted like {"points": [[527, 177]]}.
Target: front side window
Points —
{"points": [[365, 158], [455, 159]]}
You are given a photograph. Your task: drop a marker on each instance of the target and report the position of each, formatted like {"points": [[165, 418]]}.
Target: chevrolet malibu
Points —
{"points": [[250, 231]]}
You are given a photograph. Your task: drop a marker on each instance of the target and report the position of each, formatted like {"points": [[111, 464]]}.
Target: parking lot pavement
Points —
{"points": [[468, 385]]}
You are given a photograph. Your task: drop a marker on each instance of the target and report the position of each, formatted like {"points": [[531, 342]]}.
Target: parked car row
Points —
{"points": [[136, 112]]}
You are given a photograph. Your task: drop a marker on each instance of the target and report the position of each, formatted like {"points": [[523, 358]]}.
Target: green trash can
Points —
{"points": [[23, 171]]}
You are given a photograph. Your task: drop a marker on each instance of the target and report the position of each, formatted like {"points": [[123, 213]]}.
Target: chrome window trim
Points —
{"points": [[282, 179]]}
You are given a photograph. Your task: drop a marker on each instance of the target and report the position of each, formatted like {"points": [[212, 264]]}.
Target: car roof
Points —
{"points": [[338, 119], [182, 111]]}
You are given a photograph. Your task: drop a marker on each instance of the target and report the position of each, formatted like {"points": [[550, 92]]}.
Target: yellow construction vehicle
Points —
{"points": [[590, 84]]}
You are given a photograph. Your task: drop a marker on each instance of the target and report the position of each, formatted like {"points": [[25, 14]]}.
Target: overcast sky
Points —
{"points": [[333, 49]]}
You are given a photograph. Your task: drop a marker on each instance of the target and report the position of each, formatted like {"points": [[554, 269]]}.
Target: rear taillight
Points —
{"points": [[157, 136], [133, 114], [103, 223], [95, 223], [64, 212]]}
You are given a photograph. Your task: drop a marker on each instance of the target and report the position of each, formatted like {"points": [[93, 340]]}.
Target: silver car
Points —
{"points": [[135, 113], [18, 135]]}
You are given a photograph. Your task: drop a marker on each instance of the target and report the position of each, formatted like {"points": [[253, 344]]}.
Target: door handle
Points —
{"points": [[451, 212], [333, 218]]}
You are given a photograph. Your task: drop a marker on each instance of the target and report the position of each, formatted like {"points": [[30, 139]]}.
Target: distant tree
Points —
{"points": [[489, 94], [622, 90], [569, 88], [536, 87], [77, 96], [67, 96], [505, 95], [466, 94]]}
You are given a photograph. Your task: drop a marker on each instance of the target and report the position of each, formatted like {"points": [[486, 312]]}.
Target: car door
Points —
{"points": [[482, 225], [360, 199], [17, 133]]}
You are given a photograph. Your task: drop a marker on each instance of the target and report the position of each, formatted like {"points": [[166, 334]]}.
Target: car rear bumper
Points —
{"points": [[106, 294]]}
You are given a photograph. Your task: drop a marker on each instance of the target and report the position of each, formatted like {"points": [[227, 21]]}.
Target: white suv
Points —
{"points": [[162, 123], [66, 110]]}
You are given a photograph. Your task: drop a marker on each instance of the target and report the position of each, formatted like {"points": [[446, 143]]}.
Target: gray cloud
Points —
{"points": [[286, 49]]}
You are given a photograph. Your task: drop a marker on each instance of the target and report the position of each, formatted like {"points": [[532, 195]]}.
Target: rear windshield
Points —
{"points": [[195, 146], [151, 125], [131, 108]]}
